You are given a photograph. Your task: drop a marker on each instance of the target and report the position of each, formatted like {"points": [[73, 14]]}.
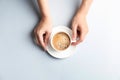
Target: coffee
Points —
{"points": [[61, 41]]}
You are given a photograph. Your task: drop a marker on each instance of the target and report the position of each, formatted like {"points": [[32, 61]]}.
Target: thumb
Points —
{"points": [[74, 32]]}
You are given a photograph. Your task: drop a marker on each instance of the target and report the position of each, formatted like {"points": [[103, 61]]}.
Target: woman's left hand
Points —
{"points": [[79, 28]]}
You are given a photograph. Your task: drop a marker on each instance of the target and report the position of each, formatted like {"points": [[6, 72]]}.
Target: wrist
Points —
{"points": [[80, 14], [46, 15], [47, 18], [83, 10]]}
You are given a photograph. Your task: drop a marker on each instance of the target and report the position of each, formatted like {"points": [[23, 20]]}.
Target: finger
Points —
{"points": [[81, 38], [82, 35], [36, 39], [77, 42], [74, 32], [41, 40]]}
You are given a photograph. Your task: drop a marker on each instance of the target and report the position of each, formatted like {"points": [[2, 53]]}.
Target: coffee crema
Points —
{"points": [[61, 41]]}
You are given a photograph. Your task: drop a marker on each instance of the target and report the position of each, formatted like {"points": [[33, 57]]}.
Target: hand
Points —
{"points": [[42, 32], [79, 28]]}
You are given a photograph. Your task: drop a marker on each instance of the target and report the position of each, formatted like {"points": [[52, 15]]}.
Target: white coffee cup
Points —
{"points": [[69, 34]]}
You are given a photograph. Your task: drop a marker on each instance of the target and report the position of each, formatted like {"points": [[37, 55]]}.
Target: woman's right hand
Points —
{"points": [[43, 31]]}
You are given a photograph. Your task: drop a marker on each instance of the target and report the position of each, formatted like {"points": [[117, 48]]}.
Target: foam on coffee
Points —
{"points": [[61, 41]]}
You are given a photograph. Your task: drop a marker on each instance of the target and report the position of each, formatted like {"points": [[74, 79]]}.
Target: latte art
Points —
{"points": [[61, 41]]}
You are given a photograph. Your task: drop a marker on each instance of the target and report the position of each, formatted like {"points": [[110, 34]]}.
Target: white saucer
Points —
{"points": [[65, 53]]}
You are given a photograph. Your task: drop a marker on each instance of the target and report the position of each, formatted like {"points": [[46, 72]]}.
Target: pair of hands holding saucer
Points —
{"points": [[43, 31], [79, 24]]}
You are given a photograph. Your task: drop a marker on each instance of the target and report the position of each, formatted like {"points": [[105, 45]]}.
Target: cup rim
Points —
{"points": [[51, 39]]}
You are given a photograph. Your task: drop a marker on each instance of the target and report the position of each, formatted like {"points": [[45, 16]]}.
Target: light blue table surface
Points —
{"points": [[97, 58]]}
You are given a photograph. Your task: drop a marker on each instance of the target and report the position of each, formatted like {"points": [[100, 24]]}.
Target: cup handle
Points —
{"points": [[73, 41]]}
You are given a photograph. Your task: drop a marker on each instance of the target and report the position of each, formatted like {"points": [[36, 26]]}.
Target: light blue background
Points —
{"points": [[97, 58]]}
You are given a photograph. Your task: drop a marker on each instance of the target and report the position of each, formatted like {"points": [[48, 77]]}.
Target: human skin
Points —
{"points": [[79, 24]]}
